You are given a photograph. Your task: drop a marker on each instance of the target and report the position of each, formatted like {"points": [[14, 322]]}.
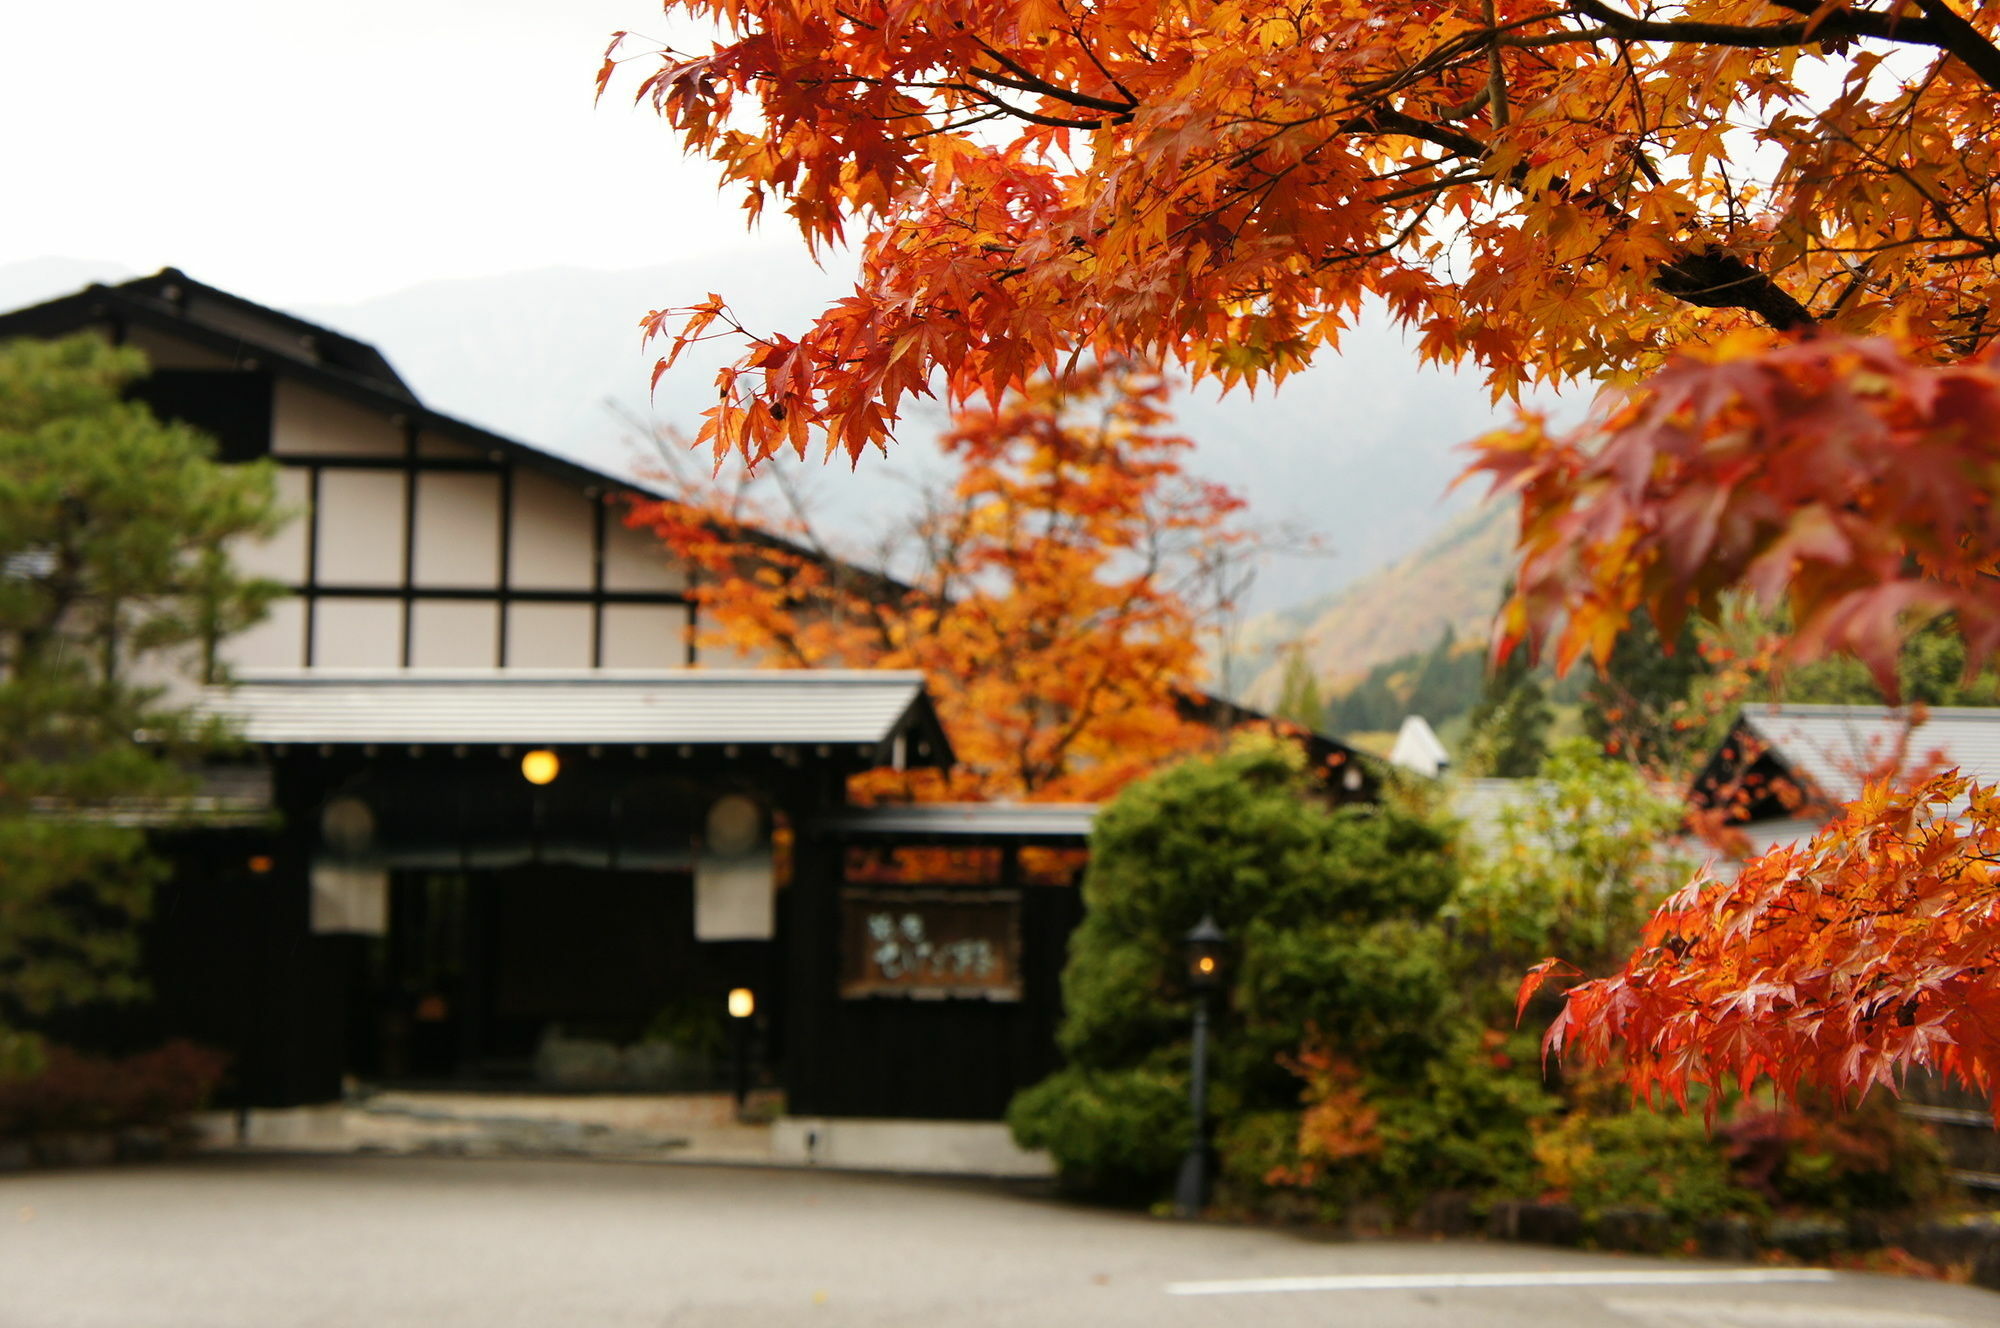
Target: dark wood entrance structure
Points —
{"points": [[926, 956], [417, 909]]}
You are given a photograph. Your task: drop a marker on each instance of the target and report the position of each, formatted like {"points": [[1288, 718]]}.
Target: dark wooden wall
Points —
{"points": [[950, 1059]]}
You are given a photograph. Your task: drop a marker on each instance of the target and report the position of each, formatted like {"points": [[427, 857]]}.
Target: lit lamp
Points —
{"points": [[540, 766], [742, 1004], [1203, 947]]}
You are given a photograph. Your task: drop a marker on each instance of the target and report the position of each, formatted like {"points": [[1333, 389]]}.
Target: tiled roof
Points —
{"points": [[1042, 821], [1483, 806], [1834, 745], [493, 706]]}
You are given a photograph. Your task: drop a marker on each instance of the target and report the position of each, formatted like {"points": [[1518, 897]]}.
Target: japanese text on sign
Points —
{"points": [[936, 943]]}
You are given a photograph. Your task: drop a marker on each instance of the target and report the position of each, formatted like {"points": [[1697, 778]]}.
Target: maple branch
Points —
{"points": [[1838, 24], [1465, 174], [1468, 108], [1026, 80], [1714, 278], [1953, 34], [1090, 54], [1032, 117], [1496, 76], [1121, 112], [1711, 278]]}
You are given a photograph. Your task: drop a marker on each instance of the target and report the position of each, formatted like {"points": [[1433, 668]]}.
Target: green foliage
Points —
{"points": [[114, 561], [1638, 705], [1930, 669], [1576, 870], [1384, 986], [1445, 681], [1464, 1124], [1661, 1160], [1113, 1133], [1510, 725], [1298, 693], [697, 1025], [1329, 914]]}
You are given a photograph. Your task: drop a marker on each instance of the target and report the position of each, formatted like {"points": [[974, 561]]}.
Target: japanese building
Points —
{"points": [[500, 820], [1782, 770]]}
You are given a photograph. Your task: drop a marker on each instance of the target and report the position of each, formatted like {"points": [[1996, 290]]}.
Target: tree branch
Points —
{"points": [[1840, 23]]}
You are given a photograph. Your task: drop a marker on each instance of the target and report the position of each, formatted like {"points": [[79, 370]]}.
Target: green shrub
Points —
{"points": [[1113, 1133], [1661, 1160], [1467, 1123], [1330, 914]]}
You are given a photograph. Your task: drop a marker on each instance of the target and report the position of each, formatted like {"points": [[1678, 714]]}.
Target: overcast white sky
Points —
{"points": [[302, 154], [317, 156]]}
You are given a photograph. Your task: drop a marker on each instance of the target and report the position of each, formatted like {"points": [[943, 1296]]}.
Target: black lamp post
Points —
{"points": [[742, 1005], [1203, 947]]}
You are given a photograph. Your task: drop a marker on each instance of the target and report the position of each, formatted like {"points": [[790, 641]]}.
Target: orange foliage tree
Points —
{"points": [[1772, 224], [1056, 601]]}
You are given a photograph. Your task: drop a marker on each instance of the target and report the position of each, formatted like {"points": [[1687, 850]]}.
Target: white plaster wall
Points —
{"points": [[309, 422], [283, 556], [279, 642], [636, 560], [551, 535], [548, 636], [645, 636], [360, 528], [454, 634], [358, 634], [458, 529]]}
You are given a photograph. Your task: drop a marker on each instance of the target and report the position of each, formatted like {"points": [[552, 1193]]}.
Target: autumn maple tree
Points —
{"points": [[1769, 226], [1055, 592]]}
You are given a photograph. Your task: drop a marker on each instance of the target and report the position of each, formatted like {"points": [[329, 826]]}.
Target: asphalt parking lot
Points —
{"points": [[271, 1242]]}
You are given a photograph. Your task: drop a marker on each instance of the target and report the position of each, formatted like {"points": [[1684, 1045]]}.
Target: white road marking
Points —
{"points": [[1591, 1277]]}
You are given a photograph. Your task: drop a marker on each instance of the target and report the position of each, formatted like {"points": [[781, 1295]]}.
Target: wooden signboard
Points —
{"points": [[930, 943]]}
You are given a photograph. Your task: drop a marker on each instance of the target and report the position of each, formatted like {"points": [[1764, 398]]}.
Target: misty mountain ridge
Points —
{"points": [[1453, 583]]}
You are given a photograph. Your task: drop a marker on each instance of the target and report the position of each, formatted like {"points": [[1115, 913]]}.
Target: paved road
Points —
{"points": [[274, 1242]]}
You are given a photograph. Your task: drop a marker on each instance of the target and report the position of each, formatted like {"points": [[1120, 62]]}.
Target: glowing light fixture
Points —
{"points": [[742, 1003], [1204, 954], [540, 766]]}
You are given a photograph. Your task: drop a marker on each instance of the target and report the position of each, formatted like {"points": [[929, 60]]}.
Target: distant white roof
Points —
{"points": [[1833, 745], [1418, 748], [490, 706]]}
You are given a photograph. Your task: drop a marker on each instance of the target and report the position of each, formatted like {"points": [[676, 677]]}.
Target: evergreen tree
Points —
{"points": [[1639, 706], [1298, 693], [114, 567], [1510, 725]]}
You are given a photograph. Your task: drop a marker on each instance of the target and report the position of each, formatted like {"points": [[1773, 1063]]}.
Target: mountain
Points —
{"points": [[1454, 580]]}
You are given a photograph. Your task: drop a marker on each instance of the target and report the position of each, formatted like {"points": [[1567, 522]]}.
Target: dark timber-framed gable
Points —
{"points": [[420, 540]]}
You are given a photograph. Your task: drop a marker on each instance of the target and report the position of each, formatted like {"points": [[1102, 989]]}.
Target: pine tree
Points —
{"points": [[1510, 725], [115, 531], [1298, 693]]}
